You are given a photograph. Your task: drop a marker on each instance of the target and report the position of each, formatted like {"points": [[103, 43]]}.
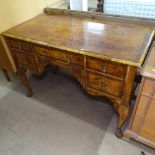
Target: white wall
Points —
{"points": [[14, 12]]}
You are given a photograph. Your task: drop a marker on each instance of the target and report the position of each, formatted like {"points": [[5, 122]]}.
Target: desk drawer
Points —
{"points": [[13, 43], [20, 45], [107, 67], [25, 60], [105, 84], [61, 55]]}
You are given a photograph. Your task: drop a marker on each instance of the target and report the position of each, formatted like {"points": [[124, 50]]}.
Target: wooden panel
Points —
{"points": [[105, 84], [137, 121], [149, 66], [108, 67], [148, 128], [6, 60], [142, 106], [149, 87]]}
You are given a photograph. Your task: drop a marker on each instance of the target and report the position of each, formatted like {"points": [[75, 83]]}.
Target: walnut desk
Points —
{"points": [[102, 55]]}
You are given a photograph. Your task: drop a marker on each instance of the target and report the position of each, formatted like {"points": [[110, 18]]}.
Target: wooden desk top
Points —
{"points": [[120, 42], [149, 66]]}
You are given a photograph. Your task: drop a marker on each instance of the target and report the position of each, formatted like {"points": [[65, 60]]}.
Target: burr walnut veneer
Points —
{"points": [[102, 55]]}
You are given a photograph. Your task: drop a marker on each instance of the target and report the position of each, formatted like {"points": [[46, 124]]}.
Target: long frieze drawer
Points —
{"points": [[25, 60], [106, 66], [61, 55], [105, 84], [20, 45]]}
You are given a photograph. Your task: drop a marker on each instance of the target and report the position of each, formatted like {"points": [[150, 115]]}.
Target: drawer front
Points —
{"points": [[148, 127], [20, 45], [67, 57], [107, 67], [105, 84], [13, 43], [25, 60]]}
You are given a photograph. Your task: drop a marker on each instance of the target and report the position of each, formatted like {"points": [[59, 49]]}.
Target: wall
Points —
{"points": [[14, 12]]}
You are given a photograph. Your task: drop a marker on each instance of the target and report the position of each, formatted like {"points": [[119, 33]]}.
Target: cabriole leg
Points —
{"points": [[6, 74], [124, 107], [123, 112], [23, 77]]}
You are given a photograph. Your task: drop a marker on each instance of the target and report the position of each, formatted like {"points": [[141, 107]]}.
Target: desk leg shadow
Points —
{"points": [[23, 77], [6, 74]]}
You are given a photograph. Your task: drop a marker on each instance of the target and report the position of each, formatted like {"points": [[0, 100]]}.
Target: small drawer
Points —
{"points": [[65, 56], [13, 43], [20, 45], [25, 60], [106, 66], [25, 46], [105, 84]]}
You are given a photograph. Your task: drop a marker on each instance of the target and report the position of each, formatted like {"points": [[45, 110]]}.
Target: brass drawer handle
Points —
{"points": [[104, 87], [68, 60], [104, 68], [20, 47], [26, 61]]}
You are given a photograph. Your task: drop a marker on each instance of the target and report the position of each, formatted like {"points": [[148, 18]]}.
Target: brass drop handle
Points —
{"points": [[104, 86], [26, 61], [104, 68], [68, 60], [20, 47]]}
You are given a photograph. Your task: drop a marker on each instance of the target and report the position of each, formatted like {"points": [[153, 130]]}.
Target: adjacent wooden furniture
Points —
{"points": [[103, 55], [142, 123], [100, 6]]}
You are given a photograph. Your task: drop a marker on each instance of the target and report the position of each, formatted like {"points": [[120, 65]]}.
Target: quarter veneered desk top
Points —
{"points": [[120, 42]]}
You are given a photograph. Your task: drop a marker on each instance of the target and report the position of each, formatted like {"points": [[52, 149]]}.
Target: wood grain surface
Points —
{"points": [[125, 42]]}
